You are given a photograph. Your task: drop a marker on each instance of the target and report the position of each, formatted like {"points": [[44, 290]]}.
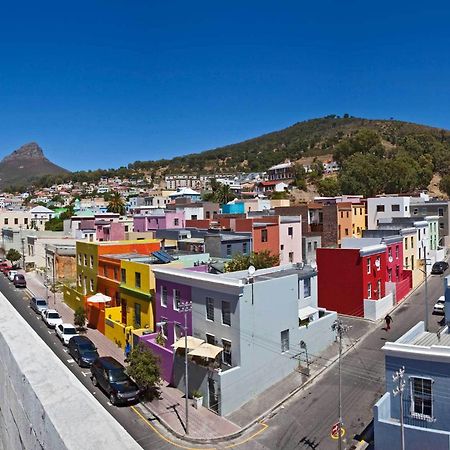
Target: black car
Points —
{"points": [[82, 350], [439, 267], [110, 375]]}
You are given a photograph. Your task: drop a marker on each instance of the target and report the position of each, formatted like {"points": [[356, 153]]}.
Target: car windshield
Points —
{"points": [[117, 375], [87, 347], [41, 303], [53, 315], [70, 330], [19, 277]]}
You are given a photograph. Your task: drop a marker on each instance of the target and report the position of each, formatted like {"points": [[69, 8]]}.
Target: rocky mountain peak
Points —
{"points": [[27, 151]]}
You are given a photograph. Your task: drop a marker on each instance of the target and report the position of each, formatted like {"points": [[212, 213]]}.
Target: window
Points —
{"points": [[346, 231], [228, 249], [420, 253], [116, 273], [226, 313], [25, 221], [226, 354], [415, 211], [194, 217], [123, 275], [441, 212], [80, 260], [307, 287], [291, 257], [369, 290], [105, 272], [91, 262], [441, 225], [282, 247], [137, 315], [397, 272], [390, 252], [389, 274], [412, 241], [210, 308], [347, 214], [380, 208], [315, 245], [412, 262], [164, 296], [207, 215], [176, 222], [421, 398], [368, 265], [263, 235], [379, 288], [406, 243], [397, 250], [6, 221], [244, 248], [137, 279], [395, 207], [210, 339], [406, 263], [342, 214], [291, 231], [176, 299], [85, 260], [91, 285], [284, 341], [16, 221], [309, 247], [80, 280]]}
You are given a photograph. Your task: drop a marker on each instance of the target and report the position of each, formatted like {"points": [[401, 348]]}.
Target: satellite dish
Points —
{"points": [[251, 271], [391, 259], [377, 263]]}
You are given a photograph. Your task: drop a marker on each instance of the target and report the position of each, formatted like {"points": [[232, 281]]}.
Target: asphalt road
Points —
{"points": [[125, 415], [305, 421]]}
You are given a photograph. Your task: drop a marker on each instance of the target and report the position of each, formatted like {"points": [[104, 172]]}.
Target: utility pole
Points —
{"points": [[398, 377], [340, 329], [23, 253], [46, 274], [186, 307], [426, 291]]}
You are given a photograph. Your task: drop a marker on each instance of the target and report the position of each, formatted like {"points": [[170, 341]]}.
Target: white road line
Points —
{"points": [[65, 349], [70, 361], [85, 374], [109, 404], [49, 332]]}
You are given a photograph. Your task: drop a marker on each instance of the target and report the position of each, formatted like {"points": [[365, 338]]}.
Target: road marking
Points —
{"points": [[49, 332], [161, 435], [109, 404], [70, 361], [264, 428], [85, 374], [65, 350]]}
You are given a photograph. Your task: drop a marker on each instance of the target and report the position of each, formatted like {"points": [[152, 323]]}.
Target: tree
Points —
{"points": [[144, 368], [116, 204], [444, 185], [329, 187], [260, 260], [299, 176], [13, 255], [79, 317]]}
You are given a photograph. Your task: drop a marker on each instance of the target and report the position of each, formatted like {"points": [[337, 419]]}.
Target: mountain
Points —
{"points": [[309, 138], [26, 164]]}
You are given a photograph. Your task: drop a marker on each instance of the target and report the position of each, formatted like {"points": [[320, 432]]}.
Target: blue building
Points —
{"points": [[233, 208], [227, 245], [425, 357]]}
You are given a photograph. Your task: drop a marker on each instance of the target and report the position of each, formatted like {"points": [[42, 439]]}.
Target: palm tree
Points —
{"points": [[116, 204]]}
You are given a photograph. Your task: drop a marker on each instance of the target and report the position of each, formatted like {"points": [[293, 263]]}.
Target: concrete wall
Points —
{"points": [[42, 404], [376, 309]]}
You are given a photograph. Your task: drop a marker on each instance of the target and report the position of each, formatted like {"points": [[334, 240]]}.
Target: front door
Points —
{"points": [[213, 396], [124, 311]]}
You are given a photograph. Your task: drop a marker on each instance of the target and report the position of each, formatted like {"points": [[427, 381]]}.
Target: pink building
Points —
{"points": [[290, 239], [152, 222], [109, 231]]}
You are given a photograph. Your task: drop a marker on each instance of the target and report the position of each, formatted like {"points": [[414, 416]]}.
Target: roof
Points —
{"points": [[41, 210], [281, 166], [184, 191]]}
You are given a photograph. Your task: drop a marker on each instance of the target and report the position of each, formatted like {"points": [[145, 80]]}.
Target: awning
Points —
{"points": [[306, 312], [206, 351], [99, 298], [192, 342]]}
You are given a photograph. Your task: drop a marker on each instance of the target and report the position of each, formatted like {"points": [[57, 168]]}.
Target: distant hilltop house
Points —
{"points": [[283, 171]]}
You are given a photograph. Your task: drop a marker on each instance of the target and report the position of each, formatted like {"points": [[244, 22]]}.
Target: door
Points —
{"points": [[213, 396], [124, 311]]}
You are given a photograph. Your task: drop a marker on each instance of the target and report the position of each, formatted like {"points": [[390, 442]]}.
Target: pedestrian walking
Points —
{"points": [[388, 320], [127, 350]]}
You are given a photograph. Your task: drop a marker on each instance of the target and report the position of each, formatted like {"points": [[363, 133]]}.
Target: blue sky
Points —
{"points": [[105, 83]]}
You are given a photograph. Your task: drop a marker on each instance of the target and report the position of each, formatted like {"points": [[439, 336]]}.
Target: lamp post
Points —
{"points": [[424, 271]]}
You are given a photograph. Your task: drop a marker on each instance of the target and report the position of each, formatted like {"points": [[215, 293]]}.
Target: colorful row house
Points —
{"points": [[229, 339]]}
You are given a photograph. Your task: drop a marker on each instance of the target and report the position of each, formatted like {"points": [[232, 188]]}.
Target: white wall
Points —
{"points": [[389, 204]]}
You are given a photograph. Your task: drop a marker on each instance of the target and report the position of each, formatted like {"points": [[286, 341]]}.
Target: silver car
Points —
{"points": [[38, 304]]}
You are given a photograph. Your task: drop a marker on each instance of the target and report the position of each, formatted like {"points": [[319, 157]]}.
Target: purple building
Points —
{"points": [[152, 222]]}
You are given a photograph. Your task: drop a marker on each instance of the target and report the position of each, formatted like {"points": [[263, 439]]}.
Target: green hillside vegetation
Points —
{"points": [[376, 156]]}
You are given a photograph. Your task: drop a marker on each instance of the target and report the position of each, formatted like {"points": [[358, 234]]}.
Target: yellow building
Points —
{"points": [[358, 219], [351, 220], [410, 262]]}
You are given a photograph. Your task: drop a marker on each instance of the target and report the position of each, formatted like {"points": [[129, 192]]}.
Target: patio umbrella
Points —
{"points": [[192, 342], [99, 298], [206, 350]]}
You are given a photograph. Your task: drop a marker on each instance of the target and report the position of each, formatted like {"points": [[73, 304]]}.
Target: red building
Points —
{"points": [[353, 280], [265, 232]]}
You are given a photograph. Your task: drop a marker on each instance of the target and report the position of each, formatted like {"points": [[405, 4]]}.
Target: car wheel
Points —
{"points": [[112, 399], [94, 381]]}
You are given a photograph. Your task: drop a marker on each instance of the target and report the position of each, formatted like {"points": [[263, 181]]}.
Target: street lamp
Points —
{"points": [[185, 308], [425, 262]]}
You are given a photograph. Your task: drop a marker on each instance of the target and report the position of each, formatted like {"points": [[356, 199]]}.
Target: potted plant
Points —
{"points": [[198, 399], [160, 339]]}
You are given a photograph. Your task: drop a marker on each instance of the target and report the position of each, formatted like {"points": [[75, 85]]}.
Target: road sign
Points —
{"points": [[335, 431]]}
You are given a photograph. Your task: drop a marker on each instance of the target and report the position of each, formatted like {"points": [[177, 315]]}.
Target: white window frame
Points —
{"points": [[284, 341], [411, 409], [369, 268], [175, 306], [369, 290], [229, 312], [230, 363], [208, 302], [164, 303]]}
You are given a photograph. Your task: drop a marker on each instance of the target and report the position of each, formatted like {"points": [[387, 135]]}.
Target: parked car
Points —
{"points": [[439, 307], [5, 268], [65, 331], [38, 304], [11, 274], [439, 267], [20, 281], [110, 375], [51, 317], [82, 350]]}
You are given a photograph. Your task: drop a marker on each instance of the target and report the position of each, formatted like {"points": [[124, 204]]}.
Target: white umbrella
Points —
{"points": [[192, 342], [206, 350], [99, 298]]}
